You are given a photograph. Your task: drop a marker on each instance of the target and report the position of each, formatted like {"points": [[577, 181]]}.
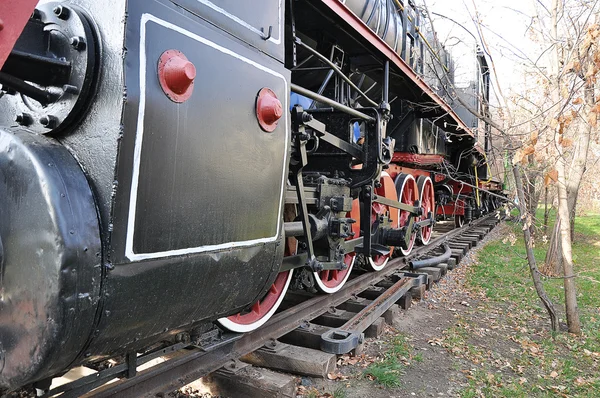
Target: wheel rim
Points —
{"points": [[330, 281], [262, 310], [408, 193], [388, 190], [427, 199], [459, 220], [258, 313]]}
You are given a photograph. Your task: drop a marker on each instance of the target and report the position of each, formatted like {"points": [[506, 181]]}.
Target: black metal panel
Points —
{"points": [[149, 301], [208, 175], [250, 21], [51, 258]]}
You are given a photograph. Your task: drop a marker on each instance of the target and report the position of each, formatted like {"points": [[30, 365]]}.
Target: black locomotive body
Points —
{"points": [[169, 164]]}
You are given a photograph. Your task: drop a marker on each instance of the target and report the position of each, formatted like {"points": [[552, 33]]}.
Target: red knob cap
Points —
{"points": [[268, 109], [176, 75]]}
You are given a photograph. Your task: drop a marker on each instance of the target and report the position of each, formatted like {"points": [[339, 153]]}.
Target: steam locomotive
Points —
{"points": [[167, 164]]}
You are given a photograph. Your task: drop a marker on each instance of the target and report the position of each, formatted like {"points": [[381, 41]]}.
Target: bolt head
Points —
{"points": [[24, 119], [49, 121], [78, 43], [268, 109], [176, 75], [62, 12]]}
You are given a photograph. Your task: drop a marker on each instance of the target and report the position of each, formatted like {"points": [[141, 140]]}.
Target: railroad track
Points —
{"points": [[340, 320]]}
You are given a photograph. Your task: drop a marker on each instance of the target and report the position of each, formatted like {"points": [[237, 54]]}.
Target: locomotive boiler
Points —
{"points": [[171, 164]]}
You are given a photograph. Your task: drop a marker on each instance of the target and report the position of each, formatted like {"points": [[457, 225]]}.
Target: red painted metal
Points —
{"points": [[387, 190], [429, 95], [452, 209], [268, 109], [14, 14], [418, 159], [261, 308], [393, 170], [439, 178], [176, 75]]}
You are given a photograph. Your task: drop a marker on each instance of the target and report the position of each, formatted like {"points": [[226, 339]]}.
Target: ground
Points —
{"points": [[482, 332]]}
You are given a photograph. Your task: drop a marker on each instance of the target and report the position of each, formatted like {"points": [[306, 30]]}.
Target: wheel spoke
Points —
{"points": [[256, 308]]}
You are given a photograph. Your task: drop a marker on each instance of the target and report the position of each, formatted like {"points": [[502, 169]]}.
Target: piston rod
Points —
{"points": [[334, 104]]}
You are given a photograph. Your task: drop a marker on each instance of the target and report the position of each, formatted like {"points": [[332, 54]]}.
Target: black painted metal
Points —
{"points": [[348, 336], [189, 193], [62, 54], [245, 21], [428, 262], [196, 363], [51, 258]]}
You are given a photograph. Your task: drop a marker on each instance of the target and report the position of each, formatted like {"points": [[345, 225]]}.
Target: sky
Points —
{"points": [[505, 24]]}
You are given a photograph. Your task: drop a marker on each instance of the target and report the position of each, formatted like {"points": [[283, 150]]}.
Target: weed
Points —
{"points": [[386, 372], [542, 363], [339, 392]]}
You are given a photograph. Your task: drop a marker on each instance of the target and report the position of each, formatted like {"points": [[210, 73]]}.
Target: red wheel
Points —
{"points": [[260, 312], [256, 315], [388, 190], [427, 199], [330, 281], [408, 193], [459, 220]]}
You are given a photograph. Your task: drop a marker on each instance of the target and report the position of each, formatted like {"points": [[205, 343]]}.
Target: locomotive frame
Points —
{"points": [[129, 137]]}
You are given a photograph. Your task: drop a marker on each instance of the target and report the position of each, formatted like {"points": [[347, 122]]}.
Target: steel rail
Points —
{"points": [[198, 362]]}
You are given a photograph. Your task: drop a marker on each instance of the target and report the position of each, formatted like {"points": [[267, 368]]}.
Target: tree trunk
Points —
{"points": [[553, 258], [535, 274], [573, 210], [565, 252], [546, 211]]}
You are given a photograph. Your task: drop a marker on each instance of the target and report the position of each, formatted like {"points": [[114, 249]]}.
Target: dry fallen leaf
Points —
{"points": [[336, 376], [580, 381], [554, 374]]}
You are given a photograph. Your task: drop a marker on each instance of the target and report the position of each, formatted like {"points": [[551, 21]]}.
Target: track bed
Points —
{"points": [[292, 339]]}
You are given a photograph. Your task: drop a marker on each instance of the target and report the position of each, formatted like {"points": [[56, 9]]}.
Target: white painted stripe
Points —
{"points": [[129, 253], [245, 24]]}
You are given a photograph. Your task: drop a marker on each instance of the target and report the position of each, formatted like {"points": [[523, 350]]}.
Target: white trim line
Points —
{"points": [[246, 24], [129, 253]]}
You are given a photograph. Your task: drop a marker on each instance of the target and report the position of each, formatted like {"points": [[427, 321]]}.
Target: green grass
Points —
{"points": [[339, 392], [505, 272], [562, 364], [387, 371]]}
